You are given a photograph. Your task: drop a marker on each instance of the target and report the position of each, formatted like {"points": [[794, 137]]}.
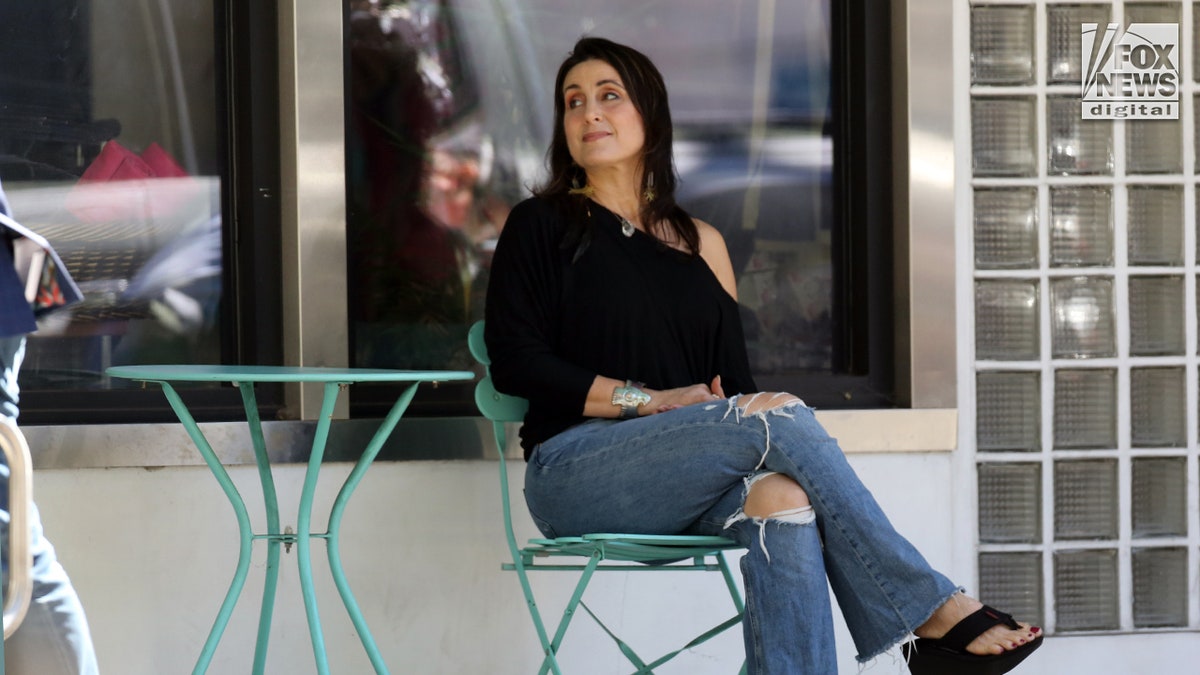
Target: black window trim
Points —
{"points": [[247, 67]]}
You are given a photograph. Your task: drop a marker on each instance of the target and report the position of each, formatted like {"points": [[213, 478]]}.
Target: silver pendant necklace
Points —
{"points": [[627, 227]]}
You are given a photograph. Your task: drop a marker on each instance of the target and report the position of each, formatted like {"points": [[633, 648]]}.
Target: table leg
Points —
{"points": [[243, 520], [304, 526], [335, 521], [271, 504]]}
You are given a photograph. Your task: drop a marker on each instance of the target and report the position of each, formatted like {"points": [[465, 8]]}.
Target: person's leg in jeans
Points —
{"points": [[882, 604], [54, 638], [793, 561], [687, 471], [884, 586]]}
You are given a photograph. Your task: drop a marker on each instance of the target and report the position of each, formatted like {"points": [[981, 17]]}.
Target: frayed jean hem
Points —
{"points": [[903, 635]]}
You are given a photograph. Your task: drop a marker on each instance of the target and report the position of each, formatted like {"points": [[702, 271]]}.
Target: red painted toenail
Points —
{"points": [[1035, 629]]}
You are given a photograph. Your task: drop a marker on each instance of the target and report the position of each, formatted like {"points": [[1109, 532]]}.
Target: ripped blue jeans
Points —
{"points": [[688, 471]]}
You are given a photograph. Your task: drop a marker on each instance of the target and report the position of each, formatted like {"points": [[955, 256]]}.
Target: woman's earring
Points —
{"points": [[648, 193], [586, 190]]}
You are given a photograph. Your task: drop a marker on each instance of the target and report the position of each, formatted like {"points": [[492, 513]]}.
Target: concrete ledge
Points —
{"points": [[444, 438], [925, 430]]}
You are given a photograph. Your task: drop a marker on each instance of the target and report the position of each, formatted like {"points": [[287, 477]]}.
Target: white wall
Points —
{"points": [[152, 552]]}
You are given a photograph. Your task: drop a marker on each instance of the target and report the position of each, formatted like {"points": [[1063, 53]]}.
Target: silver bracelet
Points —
{"points": [[630, 397]]}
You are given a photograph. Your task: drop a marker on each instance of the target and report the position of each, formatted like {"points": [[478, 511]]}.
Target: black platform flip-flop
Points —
{"points": [[948, 654]]}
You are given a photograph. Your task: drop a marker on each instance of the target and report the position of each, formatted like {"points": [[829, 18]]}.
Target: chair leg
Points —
{"points": [[585, 577], [698, 640], [538, 626], [550, 646], [625, 648], [730, 583], [733, 593]]}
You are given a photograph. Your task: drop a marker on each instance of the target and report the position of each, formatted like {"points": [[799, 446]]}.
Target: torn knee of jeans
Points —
{"points": [[757, 405], [767, 402], [761, 406], [800, 515]]}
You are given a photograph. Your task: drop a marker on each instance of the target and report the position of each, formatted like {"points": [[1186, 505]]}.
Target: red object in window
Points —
{"points": [[116, 186], [162, 164], [116, 162]]}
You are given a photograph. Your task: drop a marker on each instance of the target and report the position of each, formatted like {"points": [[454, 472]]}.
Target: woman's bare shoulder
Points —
{"points": [[714, 252], [711, 241]]}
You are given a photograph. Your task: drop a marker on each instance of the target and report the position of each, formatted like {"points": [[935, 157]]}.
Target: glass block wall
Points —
{"points": [[1084, 246]]}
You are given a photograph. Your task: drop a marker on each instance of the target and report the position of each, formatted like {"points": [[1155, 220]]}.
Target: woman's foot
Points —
{"points": [[996, 640]]}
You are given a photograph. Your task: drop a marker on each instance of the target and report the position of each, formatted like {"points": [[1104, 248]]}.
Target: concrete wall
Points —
{"points": [[152, 552]]}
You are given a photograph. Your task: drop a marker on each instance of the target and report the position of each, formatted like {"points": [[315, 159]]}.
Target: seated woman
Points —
{"points": [[601, 283]]}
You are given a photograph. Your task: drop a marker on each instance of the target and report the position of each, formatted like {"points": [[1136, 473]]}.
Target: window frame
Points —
{"points": [[247, 64]]}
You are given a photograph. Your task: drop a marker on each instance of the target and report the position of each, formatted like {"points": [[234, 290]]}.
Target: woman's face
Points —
{"points": [[602, 126]]}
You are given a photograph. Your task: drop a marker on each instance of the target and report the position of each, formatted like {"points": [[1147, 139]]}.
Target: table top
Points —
{"points": [[221, 373]]}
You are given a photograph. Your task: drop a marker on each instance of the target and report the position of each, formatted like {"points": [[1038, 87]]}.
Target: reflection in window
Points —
{"points": [[448, 113], [108, 148], [413, 147]]}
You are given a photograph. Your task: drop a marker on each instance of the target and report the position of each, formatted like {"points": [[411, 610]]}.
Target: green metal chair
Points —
{"points": [[596, 552]]}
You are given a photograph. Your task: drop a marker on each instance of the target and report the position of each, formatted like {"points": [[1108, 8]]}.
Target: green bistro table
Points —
{"points": [[334, 379]]}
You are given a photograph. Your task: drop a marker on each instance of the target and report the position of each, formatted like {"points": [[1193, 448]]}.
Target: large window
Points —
{"points": [[448, 113], [142, 140], [117, 145]]}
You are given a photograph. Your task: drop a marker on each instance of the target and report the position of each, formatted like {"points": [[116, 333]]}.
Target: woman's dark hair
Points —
{"points": [[648, 93]]}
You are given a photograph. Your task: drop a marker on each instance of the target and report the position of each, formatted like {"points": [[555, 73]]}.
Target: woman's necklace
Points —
{"points": [[627, 227]]}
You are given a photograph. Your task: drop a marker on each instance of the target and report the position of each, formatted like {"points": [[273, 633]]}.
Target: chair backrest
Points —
{"points": [[19, 592], [495, 406], [500, 409]]}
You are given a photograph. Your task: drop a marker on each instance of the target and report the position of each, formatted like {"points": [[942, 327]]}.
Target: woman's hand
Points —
{"points": [[670, 399], [599, 400]]}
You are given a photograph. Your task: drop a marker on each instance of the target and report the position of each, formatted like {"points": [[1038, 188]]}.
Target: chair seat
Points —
{"points": [[651, 549]]}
